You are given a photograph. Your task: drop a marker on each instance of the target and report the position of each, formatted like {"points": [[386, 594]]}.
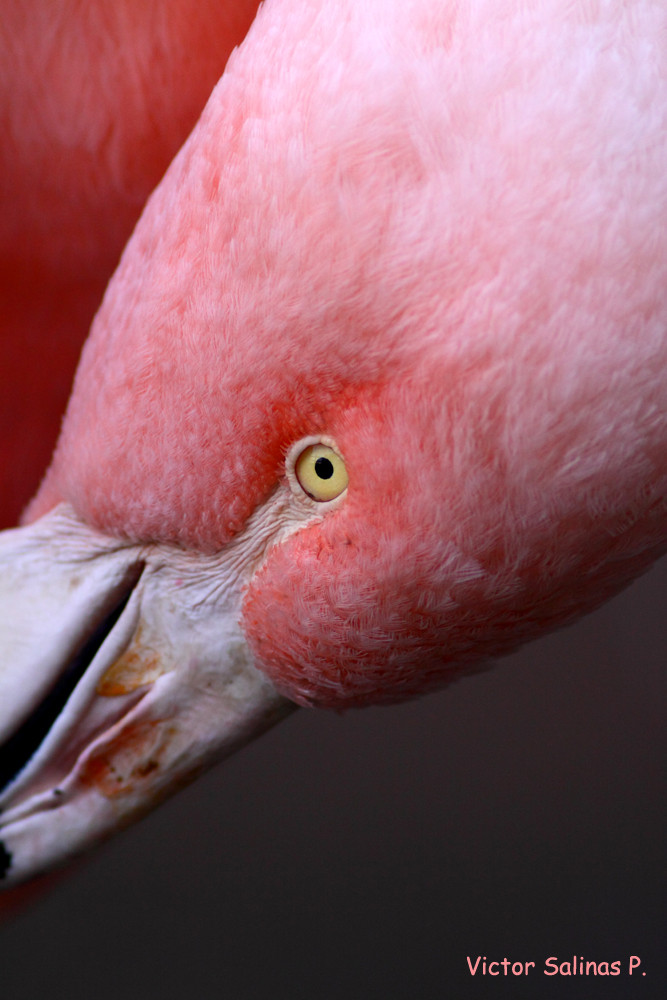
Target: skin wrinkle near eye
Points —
{"points": [[285, 512]]}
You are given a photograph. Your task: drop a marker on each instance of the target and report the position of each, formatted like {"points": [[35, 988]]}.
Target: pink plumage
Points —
{"points": [[96, 100], [436, 234]]}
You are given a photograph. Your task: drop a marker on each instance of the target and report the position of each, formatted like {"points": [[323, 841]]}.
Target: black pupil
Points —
{"points": [[324, 468]]}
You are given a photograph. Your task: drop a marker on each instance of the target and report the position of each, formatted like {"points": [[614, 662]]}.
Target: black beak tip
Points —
{"points": [[5, 860]]}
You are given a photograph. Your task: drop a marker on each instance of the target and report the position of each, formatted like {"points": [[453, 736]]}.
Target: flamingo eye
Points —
{"points": [[321, 472]]}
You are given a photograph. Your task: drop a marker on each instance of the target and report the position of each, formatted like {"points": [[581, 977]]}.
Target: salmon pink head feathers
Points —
{"points": [[436, 246]]}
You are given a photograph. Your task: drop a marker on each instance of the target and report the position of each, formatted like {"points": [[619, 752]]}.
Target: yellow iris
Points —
{"points": [[321, 472]]}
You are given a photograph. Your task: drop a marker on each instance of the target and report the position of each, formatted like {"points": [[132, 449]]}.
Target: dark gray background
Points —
{"points": [[519, 813]]}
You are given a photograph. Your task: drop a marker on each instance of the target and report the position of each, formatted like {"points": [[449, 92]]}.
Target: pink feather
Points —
{"points": [[437, 234]]}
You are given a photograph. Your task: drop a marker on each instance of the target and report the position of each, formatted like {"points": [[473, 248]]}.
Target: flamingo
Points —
{"points": [[375, 394]]}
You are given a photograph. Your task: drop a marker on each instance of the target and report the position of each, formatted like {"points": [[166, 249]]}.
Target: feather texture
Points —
{"points": [[437, 234]]}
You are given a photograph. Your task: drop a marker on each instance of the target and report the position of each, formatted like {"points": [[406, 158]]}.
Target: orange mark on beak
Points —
{"points": [[139, 665], [123, 765]]}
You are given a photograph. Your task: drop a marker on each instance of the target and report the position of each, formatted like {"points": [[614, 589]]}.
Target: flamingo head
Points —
{"points": [[371, 398]]}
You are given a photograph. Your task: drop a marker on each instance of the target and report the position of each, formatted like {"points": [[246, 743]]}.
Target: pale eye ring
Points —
{"points": [[319, 470]]}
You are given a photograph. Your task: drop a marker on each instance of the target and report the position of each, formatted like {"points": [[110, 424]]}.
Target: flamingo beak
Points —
{"points": [[124, 673]]}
